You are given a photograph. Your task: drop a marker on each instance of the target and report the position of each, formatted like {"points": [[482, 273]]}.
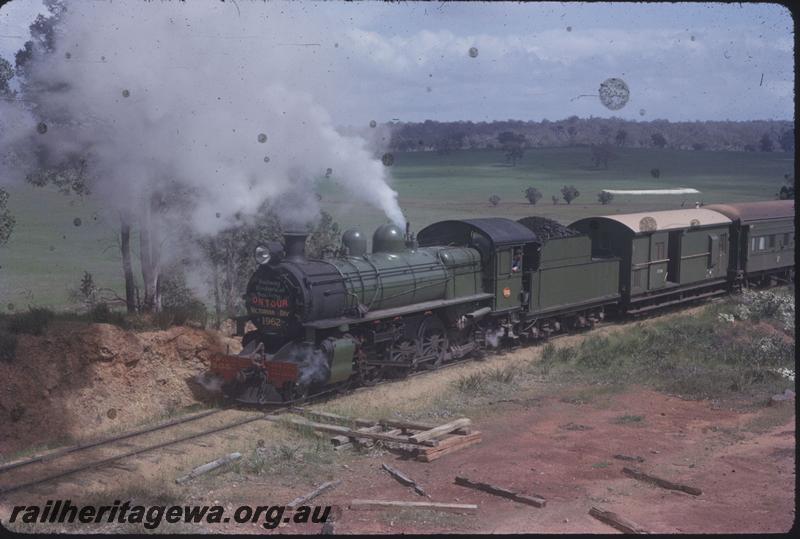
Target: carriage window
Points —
{"points": [[723, 244], [753, 245], [772, 241], [516, 261], [762, 243]]}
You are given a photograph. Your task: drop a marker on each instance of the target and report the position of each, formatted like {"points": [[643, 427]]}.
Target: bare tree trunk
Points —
{"points": [[230, 293], [127, 268], [215, 277], [151, 261]]}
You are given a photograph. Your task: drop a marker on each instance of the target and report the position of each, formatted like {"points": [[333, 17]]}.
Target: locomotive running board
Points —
{"points": [[396, 311]]}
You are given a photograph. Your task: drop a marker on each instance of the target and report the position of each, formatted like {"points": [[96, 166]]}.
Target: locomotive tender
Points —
{"points": [[465, 285]]}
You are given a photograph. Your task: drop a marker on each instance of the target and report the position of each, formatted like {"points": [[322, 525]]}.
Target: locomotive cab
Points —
{"points": [[501, 244]]}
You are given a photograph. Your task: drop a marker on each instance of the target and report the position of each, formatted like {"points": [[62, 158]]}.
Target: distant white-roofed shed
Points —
{"points": [[676, 191]]}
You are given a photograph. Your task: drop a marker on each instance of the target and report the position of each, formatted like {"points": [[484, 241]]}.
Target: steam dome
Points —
{"points": [[354, 242], [388, 239]]}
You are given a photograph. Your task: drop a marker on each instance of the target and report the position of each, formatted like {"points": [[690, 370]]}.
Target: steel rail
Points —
{"points": [[108, 460], [79, 447]]}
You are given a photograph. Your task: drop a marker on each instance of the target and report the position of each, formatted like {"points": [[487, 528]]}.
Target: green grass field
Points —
{"points": [[47, 253]]}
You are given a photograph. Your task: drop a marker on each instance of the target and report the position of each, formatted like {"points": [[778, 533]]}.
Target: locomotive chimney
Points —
{"points": [[294, 244], [411, 240]]}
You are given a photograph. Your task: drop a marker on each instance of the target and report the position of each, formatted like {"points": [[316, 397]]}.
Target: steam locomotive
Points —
{"points": [[462, 286]]}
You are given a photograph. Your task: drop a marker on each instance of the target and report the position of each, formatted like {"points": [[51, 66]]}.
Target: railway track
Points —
{"points": [[109, 451], [52, 466]]}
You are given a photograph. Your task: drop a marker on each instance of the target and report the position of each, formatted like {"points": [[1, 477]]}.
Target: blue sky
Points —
{"points": [[410, 61]]}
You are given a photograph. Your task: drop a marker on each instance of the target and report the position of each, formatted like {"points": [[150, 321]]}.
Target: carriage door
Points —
{"points": [[674, 255], [658, 260]]}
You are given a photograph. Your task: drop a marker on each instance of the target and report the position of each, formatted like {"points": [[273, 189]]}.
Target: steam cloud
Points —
{"points": [[212, 384], [493, 336], [225, 105]]}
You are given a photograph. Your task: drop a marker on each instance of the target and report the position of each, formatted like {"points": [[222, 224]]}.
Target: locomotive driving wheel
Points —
{"points": [[432, 343], [403, 353]]}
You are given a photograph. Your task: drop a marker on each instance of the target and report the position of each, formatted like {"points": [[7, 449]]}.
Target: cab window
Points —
{"points": [[504, 266]]}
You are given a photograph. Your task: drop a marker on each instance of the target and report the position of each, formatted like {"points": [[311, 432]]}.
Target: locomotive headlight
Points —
{"points": [[262, 255]]}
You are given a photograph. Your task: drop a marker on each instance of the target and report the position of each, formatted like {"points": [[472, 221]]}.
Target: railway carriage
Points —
{"points": [[667, 256], [761, 240]]}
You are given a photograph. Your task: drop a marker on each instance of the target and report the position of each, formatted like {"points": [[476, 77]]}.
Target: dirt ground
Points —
{"points": [[557, 442], [80, 380], [742, 462]]}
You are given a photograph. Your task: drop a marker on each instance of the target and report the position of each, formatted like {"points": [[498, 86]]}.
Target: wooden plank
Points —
{"points": [[405, 480], [335, 429], [455, 440], [414, 425], [302, 500], [663, 483], [366, 442], [383, 504], [536, 501], [634, 458], [205, 468], [441, 429], [361, 422], [342, 440], [614, 520], [431, 455]]}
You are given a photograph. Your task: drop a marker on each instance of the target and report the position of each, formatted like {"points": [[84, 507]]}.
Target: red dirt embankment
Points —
{"points": [[78, 380]]}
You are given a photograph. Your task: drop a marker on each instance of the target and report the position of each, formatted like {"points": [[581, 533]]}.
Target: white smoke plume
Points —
{"points": [[493, 336], [223, 102], [212, 384]]}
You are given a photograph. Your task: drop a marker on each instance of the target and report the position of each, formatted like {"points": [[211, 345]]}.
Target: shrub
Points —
{"points": [[501, 376], [87, 289], [33, 322], [494, 200], [533, 195], [179, 304], [471, 383], [102, 314], [569, 193], [695, 356], [486, 381], [190, 313], [760, 305]]}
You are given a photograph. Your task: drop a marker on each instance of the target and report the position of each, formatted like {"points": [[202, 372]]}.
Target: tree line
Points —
{"points": [[515, 135]]}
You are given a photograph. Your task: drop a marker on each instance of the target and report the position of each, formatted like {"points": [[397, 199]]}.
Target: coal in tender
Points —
{"points": [[546, 229]]}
